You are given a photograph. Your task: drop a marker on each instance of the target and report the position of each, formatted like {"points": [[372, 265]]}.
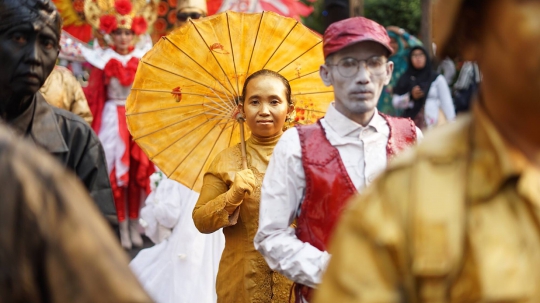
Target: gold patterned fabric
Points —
{"points": [[457, 219], [62, 90], [243, 274]]}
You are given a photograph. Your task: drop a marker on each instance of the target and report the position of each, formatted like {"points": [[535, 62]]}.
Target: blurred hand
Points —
{"points": [[417, 93], [244, 183], [395, 29]]}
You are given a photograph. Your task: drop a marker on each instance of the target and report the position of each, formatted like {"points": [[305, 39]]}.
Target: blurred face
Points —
{"points": [[27, 54], [394, 44], [183, 15], [418, 59], [265, 106], [122, 39], [508, 53], [358, 93]]}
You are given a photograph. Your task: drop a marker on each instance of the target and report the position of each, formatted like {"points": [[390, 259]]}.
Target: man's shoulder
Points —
{"points": [[445, 144], [76, 132]]}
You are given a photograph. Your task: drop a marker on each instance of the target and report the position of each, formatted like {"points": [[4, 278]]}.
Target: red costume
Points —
{"points": [[328, 186], [109, 87]]}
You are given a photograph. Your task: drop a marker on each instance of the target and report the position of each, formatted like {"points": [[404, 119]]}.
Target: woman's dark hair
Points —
{"points": [[468, 26], [266, 72]]}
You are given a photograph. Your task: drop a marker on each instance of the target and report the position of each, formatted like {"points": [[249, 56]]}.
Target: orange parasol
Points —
{"points": [[182, 108]]}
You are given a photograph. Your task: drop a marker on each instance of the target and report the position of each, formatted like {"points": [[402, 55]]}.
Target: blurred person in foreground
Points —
{"points": [[457, 219], [54, 245], [29, 46], [316, 168]]}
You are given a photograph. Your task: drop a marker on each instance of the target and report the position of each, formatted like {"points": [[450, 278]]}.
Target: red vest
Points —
{"points": [[328, 185]]}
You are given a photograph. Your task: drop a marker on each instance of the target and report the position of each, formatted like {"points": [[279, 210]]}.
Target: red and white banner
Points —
{"points": [[288, 8]]}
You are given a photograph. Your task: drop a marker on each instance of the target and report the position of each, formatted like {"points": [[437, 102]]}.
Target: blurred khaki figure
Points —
{"points": [[457, 219], [190, 9], [54, 244], [64, 91]]}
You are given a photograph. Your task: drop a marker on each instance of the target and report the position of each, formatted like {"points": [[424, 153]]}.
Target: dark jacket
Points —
{"points": [[72, 141]]}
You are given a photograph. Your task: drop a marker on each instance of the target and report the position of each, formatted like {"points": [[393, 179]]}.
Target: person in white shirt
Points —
{"points": [[316, 168]]}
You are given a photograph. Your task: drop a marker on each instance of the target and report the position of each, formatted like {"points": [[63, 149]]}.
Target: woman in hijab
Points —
{"points": [[401, 42], [422, 93]]}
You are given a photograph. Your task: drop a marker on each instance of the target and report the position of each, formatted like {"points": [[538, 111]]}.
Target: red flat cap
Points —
{"points": [[353, 30]]}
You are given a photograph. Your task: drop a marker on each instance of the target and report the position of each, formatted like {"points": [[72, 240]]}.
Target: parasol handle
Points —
{"points": [[242, 142]]}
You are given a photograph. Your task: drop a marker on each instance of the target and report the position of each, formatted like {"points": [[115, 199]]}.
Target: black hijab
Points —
{"points": [[412, 77]]}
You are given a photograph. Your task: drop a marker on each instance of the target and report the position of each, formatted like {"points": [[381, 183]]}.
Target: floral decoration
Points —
{"points": [[139, 25], [107, 23], [125, 75], [123, 7]]}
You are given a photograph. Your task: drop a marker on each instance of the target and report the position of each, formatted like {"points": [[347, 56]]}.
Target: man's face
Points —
{"points": [[508, 52], [28, 54], [183, 15], [359, 92]]}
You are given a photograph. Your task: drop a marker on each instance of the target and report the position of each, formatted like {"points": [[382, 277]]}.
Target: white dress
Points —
{"points": [[182, 268]]}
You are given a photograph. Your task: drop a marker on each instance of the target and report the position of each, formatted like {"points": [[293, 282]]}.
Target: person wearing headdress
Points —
{"points": [[29, 46], [456, 218], [316, 168], [120, 22]]}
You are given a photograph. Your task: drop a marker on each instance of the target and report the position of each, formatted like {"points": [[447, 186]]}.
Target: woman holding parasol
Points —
{"points": [[189, 92], [230, 195]]}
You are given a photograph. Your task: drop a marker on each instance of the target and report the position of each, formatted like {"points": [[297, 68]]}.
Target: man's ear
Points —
{"points": [[389, 71], [326, 76]]}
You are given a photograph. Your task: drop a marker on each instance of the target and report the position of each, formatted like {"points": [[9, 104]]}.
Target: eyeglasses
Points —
{"points": [[348, 67], [185, 16]]}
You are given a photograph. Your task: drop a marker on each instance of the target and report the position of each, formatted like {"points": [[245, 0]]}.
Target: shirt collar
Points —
{"points": [[45, 130], [496, 162], [22, 123], [344, 126]]}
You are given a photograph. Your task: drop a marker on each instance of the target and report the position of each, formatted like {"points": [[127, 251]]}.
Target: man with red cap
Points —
{"points": [[316, 168]]}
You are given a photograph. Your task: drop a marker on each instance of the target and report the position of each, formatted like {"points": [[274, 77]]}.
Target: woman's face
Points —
{"points": [[418, 59], [122, 39], [265, 106]]}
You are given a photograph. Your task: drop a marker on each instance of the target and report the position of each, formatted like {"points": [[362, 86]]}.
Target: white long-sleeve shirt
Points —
{"points": [[438, 97], [363, 152]]}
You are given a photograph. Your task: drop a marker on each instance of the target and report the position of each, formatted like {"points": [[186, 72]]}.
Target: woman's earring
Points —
{"points": [[289, 120]]}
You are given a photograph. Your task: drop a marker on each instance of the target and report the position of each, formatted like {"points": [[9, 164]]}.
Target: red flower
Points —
{"points": [[160, 26], [123, 7], [177, 93], [139, 25], [162, 9], [107, 23]]}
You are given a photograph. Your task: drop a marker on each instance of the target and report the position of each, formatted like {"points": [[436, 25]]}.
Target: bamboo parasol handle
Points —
{"points": [[243, 142]]}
